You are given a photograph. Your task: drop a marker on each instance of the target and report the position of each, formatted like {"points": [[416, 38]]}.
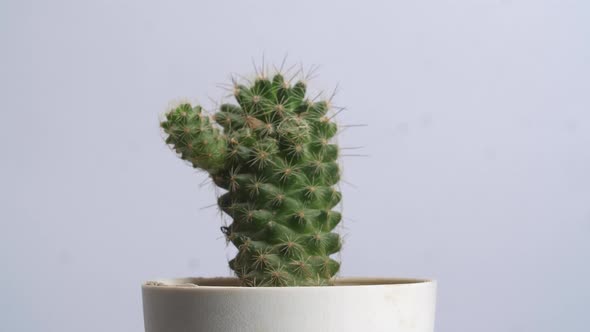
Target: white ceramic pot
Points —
{"points": [[352, 305]]}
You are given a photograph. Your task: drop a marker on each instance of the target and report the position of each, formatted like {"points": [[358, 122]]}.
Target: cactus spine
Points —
{"points": [[275, 158]]}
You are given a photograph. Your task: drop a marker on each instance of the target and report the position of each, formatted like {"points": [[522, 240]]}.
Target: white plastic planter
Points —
{"points": [[352, 305]]}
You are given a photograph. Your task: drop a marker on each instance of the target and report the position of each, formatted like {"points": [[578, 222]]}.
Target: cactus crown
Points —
{"points": [[274, 156]]}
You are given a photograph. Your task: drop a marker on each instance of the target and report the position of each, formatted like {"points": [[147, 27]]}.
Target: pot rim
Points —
{"points": [[232, 283]]}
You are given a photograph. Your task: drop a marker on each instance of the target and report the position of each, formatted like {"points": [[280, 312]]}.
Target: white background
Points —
{"points": [[478, 140]]}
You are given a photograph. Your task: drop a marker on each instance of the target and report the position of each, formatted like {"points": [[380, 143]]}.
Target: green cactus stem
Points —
{"points": [[275, 159]]}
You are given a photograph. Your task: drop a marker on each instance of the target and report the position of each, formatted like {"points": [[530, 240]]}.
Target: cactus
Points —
{"points": [[273, 154]]}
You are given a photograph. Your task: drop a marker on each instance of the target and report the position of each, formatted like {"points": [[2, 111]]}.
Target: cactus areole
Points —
{"points": [[274, 156]]}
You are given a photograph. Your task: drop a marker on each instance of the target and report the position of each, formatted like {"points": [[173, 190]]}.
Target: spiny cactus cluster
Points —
{"points": [[274, 156]]}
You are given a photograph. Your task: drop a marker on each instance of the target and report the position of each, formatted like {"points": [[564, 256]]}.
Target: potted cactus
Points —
{"points": [[274, 156]]}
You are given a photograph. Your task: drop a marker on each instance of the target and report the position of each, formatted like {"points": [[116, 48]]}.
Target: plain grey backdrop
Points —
{"points": [[478, 144]]}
